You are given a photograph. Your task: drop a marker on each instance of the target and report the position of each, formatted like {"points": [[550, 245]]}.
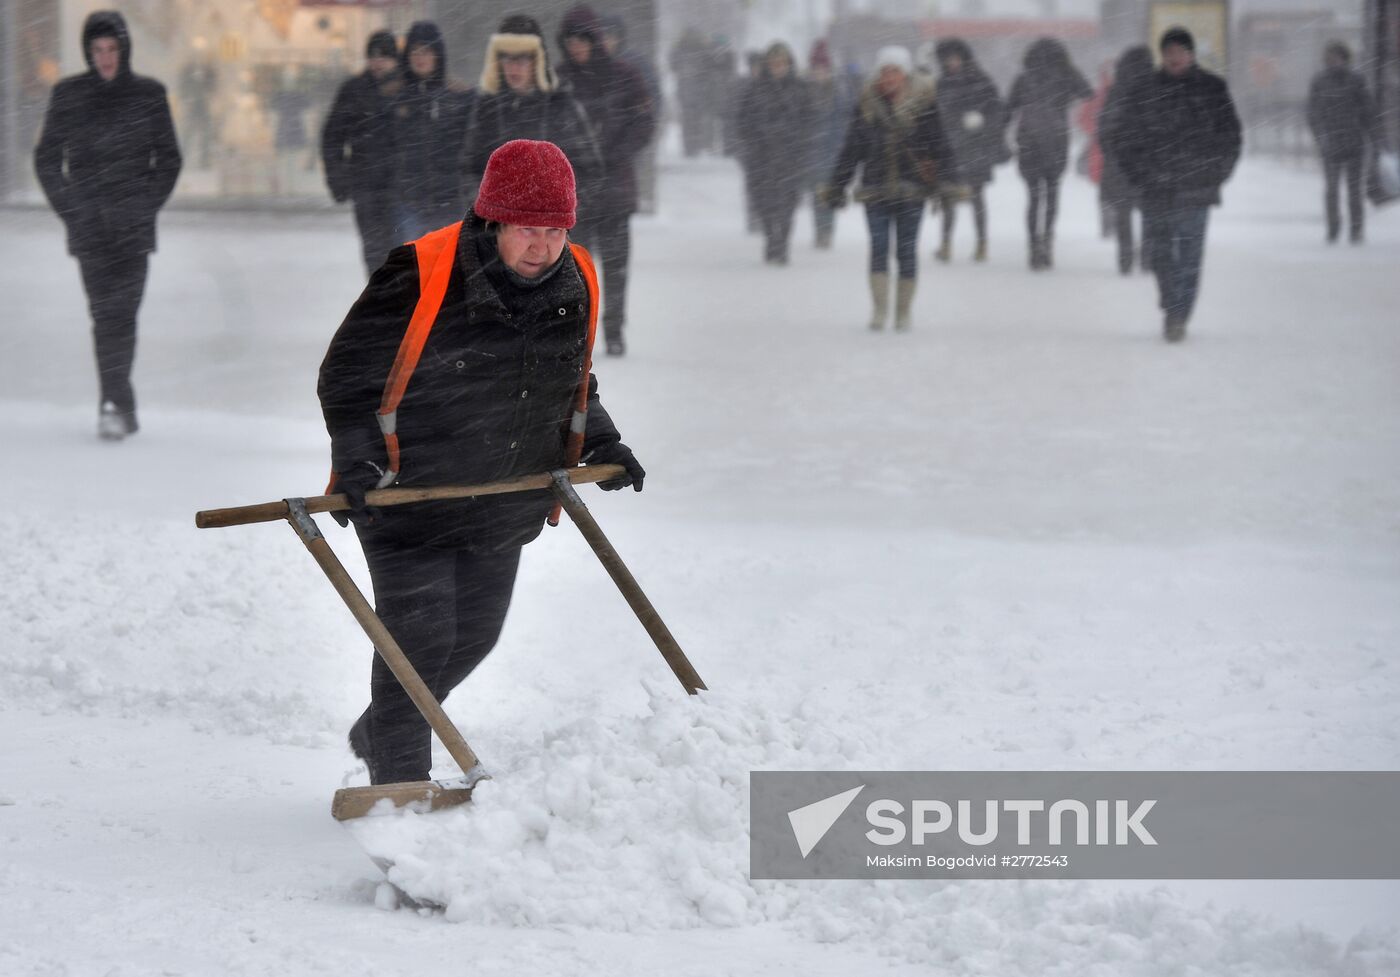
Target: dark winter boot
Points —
{"points": [[616, 347], [880, 296], [360, 743], [1035, 254], [1174, 328], [981, 253]]}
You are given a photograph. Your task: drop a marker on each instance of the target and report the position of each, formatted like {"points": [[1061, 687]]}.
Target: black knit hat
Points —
{"points": [[1179, 36], [381, 44]]}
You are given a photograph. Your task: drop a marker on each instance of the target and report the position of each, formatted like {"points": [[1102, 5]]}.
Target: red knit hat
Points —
{"points": [[528, 183]]}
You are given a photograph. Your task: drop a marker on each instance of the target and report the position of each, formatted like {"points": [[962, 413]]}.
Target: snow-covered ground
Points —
{"points": [[1028, 535]]}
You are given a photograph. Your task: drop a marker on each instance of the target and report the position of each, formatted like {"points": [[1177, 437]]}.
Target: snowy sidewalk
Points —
{"points": [[1029, 535]]}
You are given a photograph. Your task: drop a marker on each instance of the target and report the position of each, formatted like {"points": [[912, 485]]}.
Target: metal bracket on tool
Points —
{"points": [[301, 519], [565, 487]]}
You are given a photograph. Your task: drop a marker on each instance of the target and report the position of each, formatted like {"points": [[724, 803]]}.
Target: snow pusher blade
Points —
{"points": [[419, 796]]}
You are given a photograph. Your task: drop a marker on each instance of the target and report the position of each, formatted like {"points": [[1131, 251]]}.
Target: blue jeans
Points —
{"points": [[1175, 235], [905, 216]]}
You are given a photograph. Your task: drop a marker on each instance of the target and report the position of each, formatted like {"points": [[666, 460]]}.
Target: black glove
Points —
{"points": [[618, 453], [354, 483]]}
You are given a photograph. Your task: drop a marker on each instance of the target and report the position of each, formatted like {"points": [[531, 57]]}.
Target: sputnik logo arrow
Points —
{"points": [[811, 823]]}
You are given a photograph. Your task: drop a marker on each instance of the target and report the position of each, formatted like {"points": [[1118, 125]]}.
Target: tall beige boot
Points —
{"points": [[880, 294], [903, 301]]}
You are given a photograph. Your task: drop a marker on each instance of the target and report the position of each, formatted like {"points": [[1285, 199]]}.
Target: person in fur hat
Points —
{"points": [[491, 397], [519, 97], [896, 140]]}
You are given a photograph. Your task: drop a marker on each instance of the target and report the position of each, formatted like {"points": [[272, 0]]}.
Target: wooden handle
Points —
{"points": [[272, 511], [631, 590], [385, 644]]}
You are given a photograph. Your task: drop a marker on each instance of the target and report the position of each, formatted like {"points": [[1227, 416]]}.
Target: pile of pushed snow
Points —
{"points": [[640, 823], [235, 632]]}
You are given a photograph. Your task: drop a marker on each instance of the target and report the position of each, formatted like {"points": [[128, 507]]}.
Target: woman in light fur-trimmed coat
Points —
{"points": [[519, 98], [897, 141]]}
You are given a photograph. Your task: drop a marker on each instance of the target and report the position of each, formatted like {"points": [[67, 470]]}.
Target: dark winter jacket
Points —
{"points": [[775, 126], [614, 96], [490, 399], [1040, 99], [1341, 114], [902, 151], [108, 159], [1123, 101], [357, 142], [431, 116], [501, 115], [974, 120], [1181, 141]]}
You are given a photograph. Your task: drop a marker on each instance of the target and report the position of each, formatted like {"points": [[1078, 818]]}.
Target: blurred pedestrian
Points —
{"points": [[614, 38], [614, 95], [1131, 78], [690, 65], [974, 120], [512, 314], [1177, 145], [108, 161], [358, 150], [896, 140], [753, 220], [1039, 101], [197, 88], [431, 114], [775, 125], [519, 97], [1343, 120], [832, 98]]}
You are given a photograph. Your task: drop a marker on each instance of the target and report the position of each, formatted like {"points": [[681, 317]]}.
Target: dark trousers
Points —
{"points": [[114, 284], [445, 608], [374, 218], [776, 207], [1175, 234], [949, 203], [903, 217], [1333, 169], [1044, 205], [609, 239], [825, 220]]}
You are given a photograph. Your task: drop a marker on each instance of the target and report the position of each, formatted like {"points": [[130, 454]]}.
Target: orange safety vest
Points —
{"points": [[436, 252]]}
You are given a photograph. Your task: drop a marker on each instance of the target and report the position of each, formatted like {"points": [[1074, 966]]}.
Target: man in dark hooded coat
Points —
{"points": [[1343, 118], [108, 161], [614, 95], [431, 114], [358, 151]]}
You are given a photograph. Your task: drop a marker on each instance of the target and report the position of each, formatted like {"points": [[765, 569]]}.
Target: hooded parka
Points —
{"points": [[107, 158]]}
